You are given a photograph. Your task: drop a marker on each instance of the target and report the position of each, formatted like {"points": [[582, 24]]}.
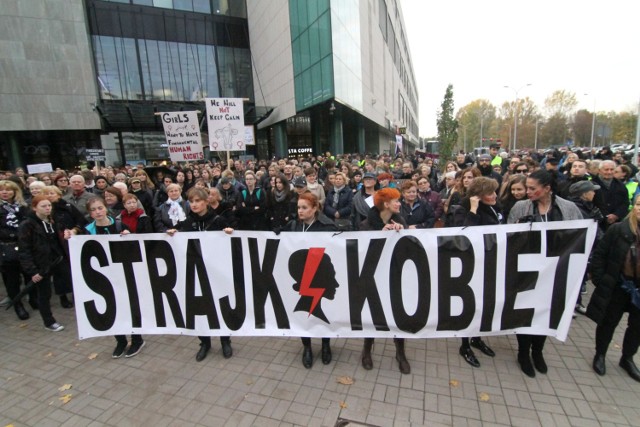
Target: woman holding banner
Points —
{"points": [[479, 208], [385, 215], [310, 219], [202, 218], [542, 206]]}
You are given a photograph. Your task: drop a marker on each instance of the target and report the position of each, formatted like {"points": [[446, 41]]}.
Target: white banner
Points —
{"points": [[447, 282], [249, 135], [225, 119], [182, 130]]}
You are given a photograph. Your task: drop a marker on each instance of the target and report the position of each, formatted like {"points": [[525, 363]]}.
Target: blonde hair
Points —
{"points": [[633, 219], [18, 198]]}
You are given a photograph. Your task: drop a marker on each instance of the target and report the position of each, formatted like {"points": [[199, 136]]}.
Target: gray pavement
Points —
{"points": [[265, 384]]}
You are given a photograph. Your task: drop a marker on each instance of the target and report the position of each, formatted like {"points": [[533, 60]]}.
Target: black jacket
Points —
{"points": [[210, 221], [39, 247], [421, 214], [322, 223], [614, 200], [374, 222], [344, 206], [161, 220], [485, 214], [251, 210], [279, 213], [606, 267], [9, 222]]}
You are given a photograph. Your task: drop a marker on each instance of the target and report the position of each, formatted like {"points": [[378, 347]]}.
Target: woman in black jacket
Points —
{"points": [[310, 218], [385, 215], [41, 255], [479, 207], [251, 205], [67, 219], [202, 218], [279, 208], [338, 204], [13, 210], [615, 261], [415, 211]]}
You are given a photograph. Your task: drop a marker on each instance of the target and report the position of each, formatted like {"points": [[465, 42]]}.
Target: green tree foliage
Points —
{"points": [[560, 102], [554, 131], [623, 127], [582, 128], [447, 125]]}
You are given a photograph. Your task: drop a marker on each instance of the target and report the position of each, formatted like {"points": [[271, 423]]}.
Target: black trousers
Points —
{"points": [[307, 341], [134, 339], [44, 300], [620, 302], [11, 272], [530, 343], [207, 340], [62, 278]]}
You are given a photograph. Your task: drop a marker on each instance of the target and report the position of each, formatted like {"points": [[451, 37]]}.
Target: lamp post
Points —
{"points": [[515, 115], [535, 141], [593, 120]]}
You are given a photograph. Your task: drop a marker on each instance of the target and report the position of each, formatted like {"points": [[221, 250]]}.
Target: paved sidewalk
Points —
{"points": [[265, 384]]}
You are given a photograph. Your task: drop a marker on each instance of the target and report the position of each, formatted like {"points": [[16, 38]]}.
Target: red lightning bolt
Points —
{"points": [[310, 268]]}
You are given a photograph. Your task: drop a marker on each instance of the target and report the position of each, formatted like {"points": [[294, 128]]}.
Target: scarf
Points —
{"points": [[176, 213], [336, 196], [131, 219], [279, 195], [12, 220]]}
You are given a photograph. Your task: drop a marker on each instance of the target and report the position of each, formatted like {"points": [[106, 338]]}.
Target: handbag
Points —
{"points": [[343, 224], [629, 286]]}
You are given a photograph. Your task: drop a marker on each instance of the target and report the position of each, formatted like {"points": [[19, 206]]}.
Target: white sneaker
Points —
{"points": [[54, 327], [5, 302]]}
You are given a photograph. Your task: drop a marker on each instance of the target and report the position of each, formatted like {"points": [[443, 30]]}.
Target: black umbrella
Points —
{"points": [[153, 170]]}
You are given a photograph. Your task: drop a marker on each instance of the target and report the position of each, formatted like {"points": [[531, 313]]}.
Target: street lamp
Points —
{"points": [[515, 116], [535, 141]]}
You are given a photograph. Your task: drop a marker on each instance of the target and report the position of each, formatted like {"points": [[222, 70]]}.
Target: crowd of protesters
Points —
{"points": [[40, 213]]}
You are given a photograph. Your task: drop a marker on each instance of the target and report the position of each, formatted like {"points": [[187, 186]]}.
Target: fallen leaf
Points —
{"points": [[484, 397], [454, 383], [65, 387], [9, 425], [343, 405], [617, 346], [48, 354], [345, 380], [93, 356], [23, 325], [77, 345], [65, 399], [249, 382]]}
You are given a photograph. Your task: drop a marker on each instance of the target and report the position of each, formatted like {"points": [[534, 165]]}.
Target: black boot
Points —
{"points": [[307, 357], [626, 363], [403, 363], [326, 352], [538, 362], [482, 346], [202, 353], [64, 301], [20, 311], [598, 364], [367, 363], [227, 351], [525, 364]]}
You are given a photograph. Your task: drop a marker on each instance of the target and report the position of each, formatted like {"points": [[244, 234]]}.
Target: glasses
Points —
{"points": [[484, 161], [522, 170]]}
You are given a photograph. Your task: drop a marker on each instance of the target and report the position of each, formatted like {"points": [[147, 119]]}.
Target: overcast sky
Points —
{"points": [[480, 46]]}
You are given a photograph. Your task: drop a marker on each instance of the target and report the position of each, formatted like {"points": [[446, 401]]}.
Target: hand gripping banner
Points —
{"points": [[451, 282]]}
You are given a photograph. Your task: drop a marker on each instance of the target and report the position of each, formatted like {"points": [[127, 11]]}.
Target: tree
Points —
{"points": [[560, 102], [623, 127], [475, 119], [554, 131], [582, 128], [447, 125]]}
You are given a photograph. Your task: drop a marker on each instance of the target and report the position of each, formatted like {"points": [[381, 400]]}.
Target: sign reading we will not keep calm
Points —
{"points": [[182, 131], [225, 119]]}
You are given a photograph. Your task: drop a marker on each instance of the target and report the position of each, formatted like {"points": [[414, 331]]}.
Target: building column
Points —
{"points": [[315, 132], [361, 139], [336, 137], [15, 159], [280, 135]]}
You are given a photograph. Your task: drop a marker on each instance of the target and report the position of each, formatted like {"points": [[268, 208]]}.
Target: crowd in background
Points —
{"points": [[350, 192]]}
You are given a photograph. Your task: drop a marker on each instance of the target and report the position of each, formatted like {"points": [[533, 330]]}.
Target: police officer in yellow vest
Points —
{"points": [[494, 150]]}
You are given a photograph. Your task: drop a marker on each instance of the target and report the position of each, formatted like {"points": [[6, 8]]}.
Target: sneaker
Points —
{"points": [[5, 302], [54, 327], [119, 350], [583, 289], [581, 309], [134, 349]]}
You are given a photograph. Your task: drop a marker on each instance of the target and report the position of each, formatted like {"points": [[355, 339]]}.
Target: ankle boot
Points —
{"points": [[326, 353], [64, 301], [367, 363], [403, 363], [307, 356], [20, 311], [524, 360]]}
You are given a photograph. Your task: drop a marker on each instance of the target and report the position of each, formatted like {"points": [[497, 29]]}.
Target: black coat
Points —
{"points": [[322, 223], [374, 222], [161, 220], [606, 267], [484, 215], [614, 200], [421, 215], [251, 210], [344, 206], [210, 221], [38, 249], [279, 213], [9, 222]]}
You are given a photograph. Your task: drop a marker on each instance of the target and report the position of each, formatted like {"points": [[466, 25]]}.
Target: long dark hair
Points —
{"points": [[545, 178]]}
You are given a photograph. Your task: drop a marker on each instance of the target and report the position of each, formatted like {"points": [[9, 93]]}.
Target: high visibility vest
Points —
{"points": [[497, 160], [632, 187]]}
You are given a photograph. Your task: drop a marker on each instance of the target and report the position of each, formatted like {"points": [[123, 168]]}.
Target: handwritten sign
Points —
{"points": [[225, 118], [182, 131]]}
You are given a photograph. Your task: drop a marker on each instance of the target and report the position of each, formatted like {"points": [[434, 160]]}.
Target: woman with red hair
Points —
{"points": [[385, 215]]}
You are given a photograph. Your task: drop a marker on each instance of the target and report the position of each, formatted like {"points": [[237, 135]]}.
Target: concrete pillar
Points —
{"points": [[361, 139], [15, 158], [280, 143], [336, 138]]}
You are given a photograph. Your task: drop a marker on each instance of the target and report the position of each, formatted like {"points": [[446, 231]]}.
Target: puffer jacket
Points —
{"points": [[39, 247]]}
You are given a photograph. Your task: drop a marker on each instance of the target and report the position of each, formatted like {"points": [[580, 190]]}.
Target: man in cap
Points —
{"points": [[485, 168]]}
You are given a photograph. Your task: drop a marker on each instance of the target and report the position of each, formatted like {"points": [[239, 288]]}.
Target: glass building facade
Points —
{"points": [[164, 55]]}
